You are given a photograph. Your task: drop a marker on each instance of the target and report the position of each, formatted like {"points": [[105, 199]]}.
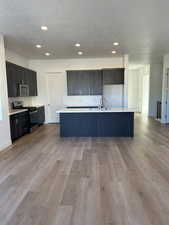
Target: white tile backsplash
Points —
{"points": [[85, 100], [26, 100]]}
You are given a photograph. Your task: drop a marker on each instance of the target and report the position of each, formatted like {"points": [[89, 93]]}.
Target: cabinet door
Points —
{"points": [[12, 88], [96, 82], [115, 124], [30, 78], [26, 76], [41, 115], [23, 126], [113, 76], [78, 124], [19, 124], [19, 75], [84, 82], [13, 126], [78, 83], [15, 76], [32, 83], [72, 83]]}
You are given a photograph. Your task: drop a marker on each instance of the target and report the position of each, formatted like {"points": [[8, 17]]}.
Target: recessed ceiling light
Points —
{"points": [[38, 46], [44, 28], [115, 43], [47, 54], [80, 53], [77, 45], [113, 52]]}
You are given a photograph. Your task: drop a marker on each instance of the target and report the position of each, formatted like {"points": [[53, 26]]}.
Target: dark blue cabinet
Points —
{"points": [[78, 124], [109, 124], [113, 76], [17, 75], [115, 124], [84, 82], [41, 115], [19, 124]]}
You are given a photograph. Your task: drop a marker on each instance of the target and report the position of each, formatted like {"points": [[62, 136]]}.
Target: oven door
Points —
{"points": [[33, 118], [23, 90]]}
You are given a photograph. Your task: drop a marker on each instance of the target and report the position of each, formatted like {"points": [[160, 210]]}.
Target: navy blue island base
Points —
{"points": [[97, 124]]}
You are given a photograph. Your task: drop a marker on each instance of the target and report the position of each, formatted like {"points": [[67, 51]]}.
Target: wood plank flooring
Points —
{"points": [[48, 180]]}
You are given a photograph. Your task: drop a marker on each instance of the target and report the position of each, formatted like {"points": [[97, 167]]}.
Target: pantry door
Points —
{"points": [[56, 85]]}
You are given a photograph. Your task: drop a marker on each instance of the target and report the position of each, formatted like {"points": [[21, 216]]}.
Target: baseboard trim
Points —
{"points": [[5, 145]]}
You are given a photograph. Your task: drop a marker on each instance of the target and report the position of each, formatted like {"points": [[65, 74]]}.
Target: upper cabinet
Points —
{"points": [[30, 78], [96, 82], [113, 76], [84, 82], [17, 75], [11, 80]]}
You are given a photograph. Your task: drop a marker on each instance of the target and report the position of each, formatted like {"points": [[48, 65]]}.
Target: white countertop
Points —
{"points": [[95, 110], [37, 106], [15, 111]]}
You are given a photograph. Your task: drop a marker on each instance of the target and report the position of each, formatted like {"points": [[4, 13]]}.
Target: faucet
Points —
{"points": [[100, 104]]}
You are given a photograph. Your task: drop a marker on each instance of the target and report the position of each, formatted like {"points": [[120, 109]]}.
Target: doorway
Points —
{"points": [[56, 89], [145, 95]]}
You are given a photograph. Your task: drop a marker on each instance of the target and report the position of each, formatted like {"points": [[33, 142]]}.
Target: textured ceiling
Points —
{"points": [[141, 28]]}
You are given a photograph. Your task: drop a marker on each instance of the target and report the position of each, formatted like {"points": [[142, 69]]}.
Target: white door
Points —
{"points": [[56, 90]]}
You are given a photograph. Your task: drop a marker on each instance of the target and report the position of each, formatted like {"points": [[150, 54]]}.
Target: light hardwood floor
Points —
{"points": [[48, 180]]}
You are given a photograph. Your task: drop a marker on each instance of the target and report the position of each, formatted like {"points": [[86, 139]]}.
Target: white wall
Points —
{"points": [[165, 109], [5, 139], [138, 92], [44, 67], [133, 89], [145, 94], [144, 89], [126, 66], [156, 71], [16, 59]]}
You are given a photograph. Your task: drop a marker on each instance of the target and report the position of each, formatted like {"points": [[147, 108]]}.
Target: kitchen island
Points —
{"points": [[93, 122]]}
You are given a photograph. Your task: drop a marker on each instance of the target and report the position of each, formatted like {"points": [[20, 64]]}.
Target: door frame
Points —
{"points": [[167, 96], [147, 76], [47, 86]]}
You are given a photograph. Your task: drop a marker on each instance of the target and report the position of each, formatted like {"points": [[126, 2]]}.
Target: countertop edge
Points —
{"points": [[94, 111], [17, 111]]}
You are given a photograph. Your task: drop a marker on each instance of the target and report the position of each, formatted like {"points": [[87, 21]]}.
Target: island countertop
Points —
{"points": [[95, 110]]}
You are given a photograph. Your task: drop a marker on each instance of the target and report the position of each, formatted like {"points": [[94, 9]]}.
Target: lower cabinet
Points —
{"points": [[78, 124], [113, 124], [19, 124], [41, 115]]}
